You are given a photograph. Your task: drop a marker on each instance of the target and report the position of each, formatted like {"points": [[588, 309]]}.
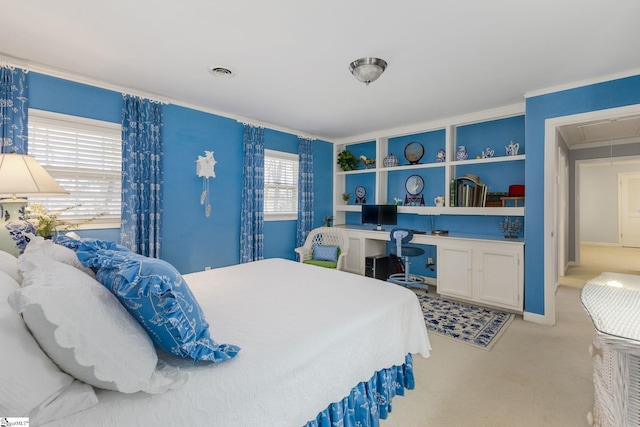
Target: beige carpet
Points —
{"points": [[534, 376], [594, 259]]}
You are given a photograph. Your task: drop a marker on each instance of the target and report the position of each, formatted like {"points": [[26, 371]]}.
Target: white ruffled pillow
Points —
{"points": [[86, 331], [41, 246], [9, 264], [32, 385]]}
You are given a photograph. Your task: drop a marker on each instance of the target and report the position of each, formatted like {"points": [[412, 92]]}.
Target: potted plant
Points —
{"points": [[347, 160], [328, 220], [346, 197]]}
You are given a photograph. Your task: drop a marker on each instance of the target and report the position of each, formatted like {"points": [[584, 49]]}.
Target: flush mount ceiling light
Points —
{"points": [[367, 70], [222, 72]]}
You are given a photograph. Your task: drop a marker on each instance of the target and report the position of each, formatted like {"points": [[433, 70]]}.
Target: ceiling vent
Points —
{"points": [[221, 72]]}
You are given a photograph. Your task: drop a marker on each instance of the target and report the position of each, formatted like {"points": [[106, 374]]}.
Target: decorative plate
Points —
{"points": [[414, 185], [413, 152], [360, 191]]}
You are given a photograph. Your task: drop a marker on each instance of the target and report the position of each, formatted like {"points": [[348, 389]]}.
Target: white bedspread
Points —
{"points": [[308, 336]]}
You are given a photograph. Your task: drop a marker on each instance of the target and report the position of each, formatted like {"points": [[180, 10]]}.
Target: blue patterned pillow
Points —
{"points": [[156, 295], [325, 253], [89, 243]]}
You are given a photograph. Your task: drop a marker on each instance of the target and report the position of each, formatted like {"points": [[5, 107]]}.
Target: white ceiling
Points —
{"points": [[446, 58]]}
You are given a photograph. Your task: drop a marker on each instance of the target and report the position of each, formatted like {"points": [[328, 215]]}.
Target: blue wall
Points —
{"points": [[616, 93], [191, 241]]}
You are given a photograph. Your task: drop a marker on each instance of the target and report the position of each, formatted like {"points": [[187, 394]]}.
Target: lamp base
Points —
{"points": [[13, 227]]}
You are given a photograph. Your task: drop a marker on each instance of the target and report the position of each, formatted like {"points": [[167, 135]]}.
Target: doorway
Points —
{"points": [[629, 209], [554, 219]]}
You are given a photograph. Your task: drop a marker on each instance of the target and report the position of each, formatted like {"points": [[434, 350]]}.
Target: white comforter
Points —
{"points": [[308, 336]]}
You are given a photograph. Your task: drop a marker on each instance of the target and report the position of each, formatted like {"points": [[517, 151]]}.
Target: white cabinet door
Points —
{"points": [[455, 271], [499, 277], [354, 263]]}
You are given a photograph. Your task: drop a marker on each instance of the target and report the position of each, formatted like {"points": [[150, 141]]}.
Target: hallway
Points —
{"points": [[598, 258]]}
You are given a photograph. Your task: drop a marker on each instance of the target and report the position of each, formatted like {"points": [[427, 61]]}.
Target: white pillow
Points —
{"points": [[32, 385], [9, 264], [85, 330], [38, 245]]}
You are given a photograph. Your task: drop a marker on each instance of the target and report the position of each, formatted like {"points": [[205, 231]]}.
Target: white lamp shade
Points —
{"points": [[22, 175]]}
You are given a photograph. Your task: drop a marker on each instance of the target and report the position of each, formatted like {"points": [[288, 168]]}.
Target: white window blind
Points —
{"points": [[280, 185], [85, 158]]}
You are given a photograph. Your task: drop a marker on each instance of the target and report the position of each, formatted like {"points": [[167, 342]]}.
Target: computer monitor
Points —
{"points": [[380, 215]]}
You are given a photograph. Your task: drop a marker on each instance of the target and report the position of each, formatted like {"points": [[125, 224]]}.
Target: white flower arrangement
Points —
{"points": [[46, 223]]}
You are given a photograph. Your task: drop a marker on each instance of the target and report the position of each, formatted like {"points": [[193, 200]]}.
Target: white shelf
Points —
{"points": [[417, 166], [432, 210], [356, 172], [489, 160], [348, 208]]}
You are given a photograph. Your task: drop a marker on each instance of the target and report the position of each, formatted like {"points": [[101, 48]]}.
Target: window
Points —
{"points": [[280, 185], [85, 158]]}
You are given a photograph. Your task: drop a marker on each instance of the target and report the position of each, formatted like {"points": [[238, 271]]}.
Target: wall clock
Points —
{"points": [[361, 194], [414, 186]]}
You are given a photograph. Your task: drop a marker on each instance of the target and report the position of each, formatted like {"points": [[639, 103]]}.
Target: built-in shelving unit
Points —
{"points": [[493, 129]]}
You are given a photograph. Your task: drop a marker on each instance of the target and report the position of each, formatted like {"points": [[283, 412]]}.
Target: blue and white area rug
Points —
{"points": [[473, 325]]}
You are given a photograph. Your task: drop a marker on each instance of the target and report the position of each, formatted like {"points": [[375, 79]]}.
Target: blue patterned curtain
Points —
{"points": [[252, 220], [13, 109], [305, 190], [141, 176]]}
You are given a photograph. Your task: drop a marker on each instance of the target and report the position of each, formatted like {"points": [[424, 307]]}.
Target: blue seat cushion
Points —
{"points": [[409, 251]]}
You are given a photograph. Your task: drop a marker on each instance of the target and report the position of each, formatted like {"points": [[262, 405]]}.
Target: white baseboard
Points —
{"points": [[537, 318], [600, 244], [431, 281]]}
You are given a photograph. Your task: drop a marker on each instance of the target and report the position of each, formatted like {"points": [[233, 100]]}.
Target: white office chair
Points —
{"points": [[400, 236]]}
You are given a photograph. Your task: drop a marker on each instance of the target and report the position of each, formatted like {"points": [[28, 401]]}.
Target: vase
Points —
{"points": [[13, 227], [462, 153], [390, 161]]}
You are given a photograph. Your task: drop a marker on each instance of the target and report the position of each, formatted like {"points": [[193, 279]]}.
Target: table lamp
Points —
{"points": [[21, 174]]}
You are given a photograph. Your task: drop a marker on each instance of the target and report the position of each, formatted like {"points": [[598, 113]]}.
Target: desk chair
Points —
{"points": [[400, 236]]}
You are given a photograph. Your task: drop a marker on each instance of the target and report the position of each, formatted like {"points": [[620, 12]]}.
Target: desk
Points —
{"points": [[612, 300], [477, 268]]}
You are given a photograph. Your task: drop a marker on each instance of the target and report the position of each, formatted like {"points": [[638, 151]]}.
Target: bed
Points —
{"points": [[316, 345]]}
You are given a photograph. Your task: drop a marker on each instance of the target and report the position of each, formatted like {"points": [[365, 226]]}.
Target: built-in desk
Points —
{"points": [[483, 269]]}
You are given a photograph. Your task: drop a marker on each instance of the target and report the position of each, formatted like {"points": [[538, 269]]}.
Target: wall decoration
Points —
{"points": [[361, 194], [205, 169]]}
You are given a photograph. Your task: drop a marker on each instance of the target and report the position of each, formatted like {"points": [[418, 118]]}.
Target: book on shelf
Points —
{"points": [[468, 191]]}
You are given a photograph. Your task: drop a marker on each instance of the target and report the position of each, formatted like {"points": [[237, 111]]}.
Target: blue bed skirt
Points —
{"points": [[368, 401]]}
